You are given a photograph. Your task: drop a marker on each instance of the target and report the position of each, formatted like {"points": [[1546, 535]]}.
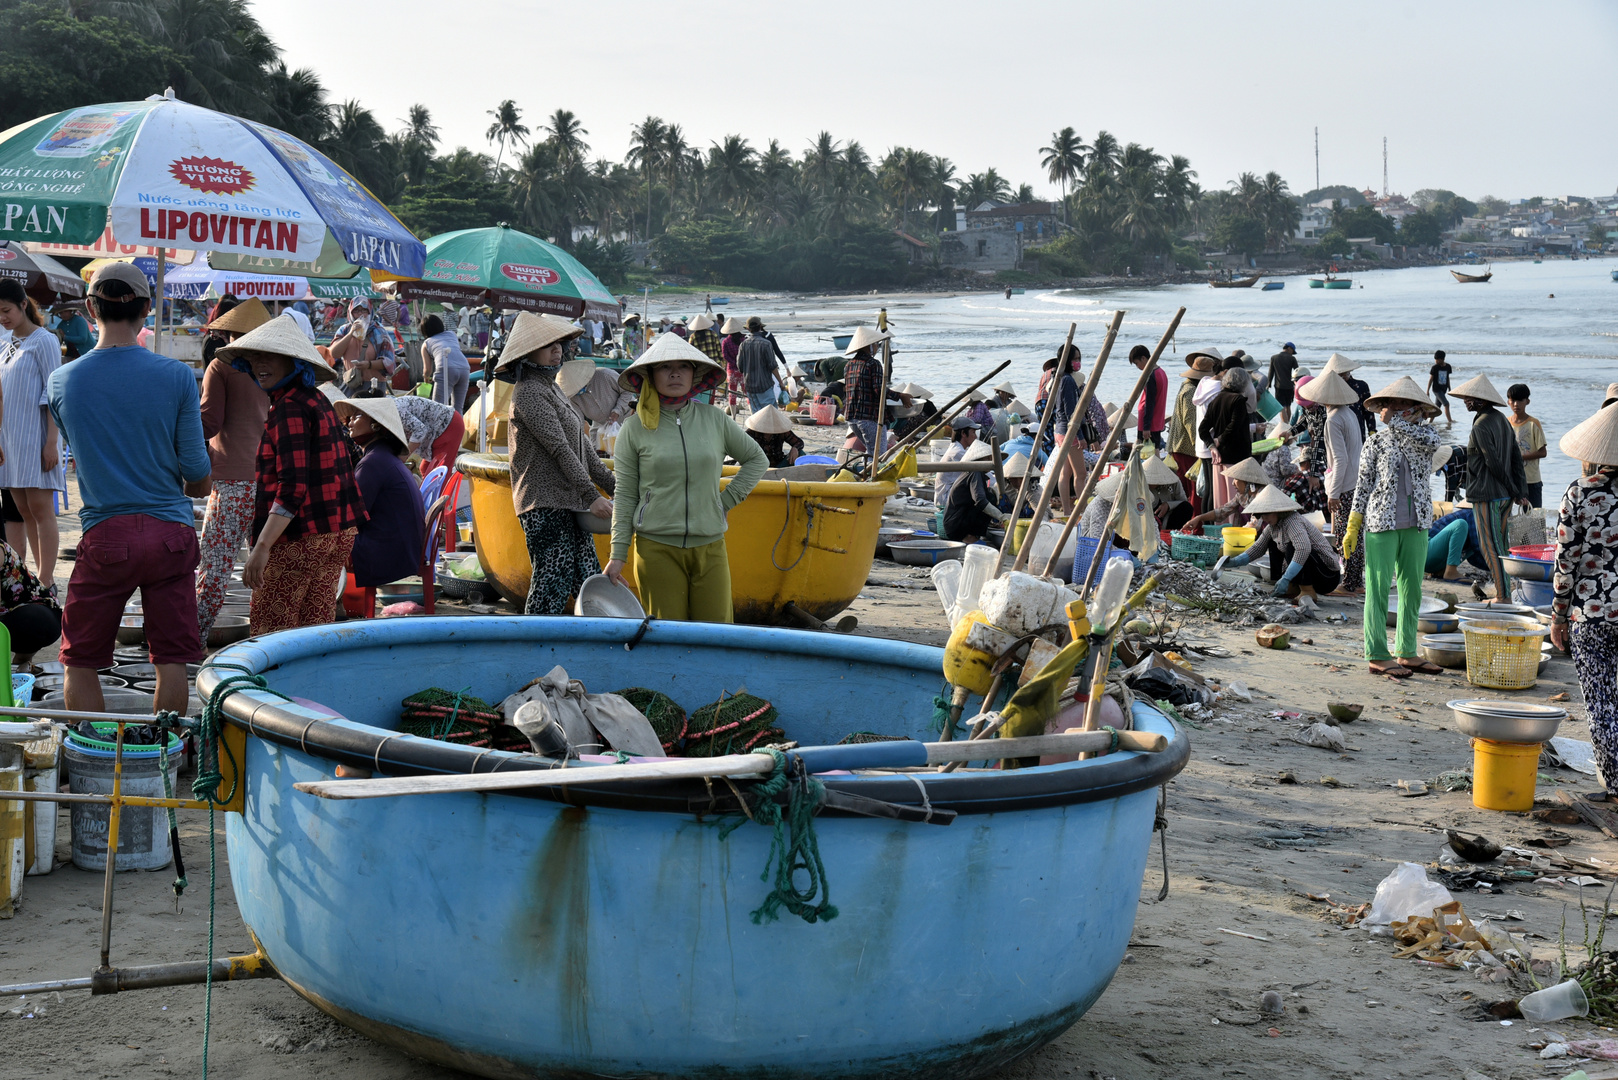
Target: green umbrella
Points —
{"points": [[505, 268], [339, 288]]}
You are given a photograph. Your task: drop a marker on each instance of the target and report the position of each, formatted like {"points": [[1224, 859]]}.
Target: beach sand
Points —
{"points": [[1185, 1001]]}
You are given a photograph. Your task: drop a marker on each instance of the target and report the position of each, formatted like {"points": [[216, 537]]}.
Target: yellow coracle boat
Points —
{"points": [[803, 543]]}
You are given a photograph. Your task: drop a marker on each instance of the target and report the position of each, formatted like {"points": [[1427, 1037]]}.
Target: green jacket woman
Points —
{"points": [[668, 462]]}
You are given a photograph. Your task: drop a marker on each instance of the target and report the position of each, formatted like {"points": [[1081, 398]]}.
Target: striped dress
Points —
{"points": [[24, 368]]}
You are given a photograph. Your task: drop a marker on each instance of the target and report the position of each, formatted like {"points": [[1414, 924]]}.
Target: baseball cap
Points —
{"points": [[124, 273], [1289, 345]]}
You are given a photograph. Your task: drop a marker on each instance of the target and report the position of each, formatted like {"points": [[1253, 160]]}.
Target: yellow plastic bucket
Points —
{"points": [[1503, 774], [1019, 531], [1238, 538]]}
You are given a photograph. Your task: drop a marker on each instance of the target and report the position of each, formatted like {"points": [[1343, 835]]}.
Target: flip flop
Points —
{"points": [[1421, 667], [1393, 670]]}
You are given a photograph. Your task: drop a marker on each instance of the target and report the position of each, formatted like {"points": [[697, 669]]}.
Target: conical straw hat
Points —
{"points": [[1108, 489], [381, 410], [244, 318], [1272, 500], [702, 322], [1594, 440], [532, 332], [733, 326], [864, 337], [1214, 354], [1157, 471], [769, 421], [667, 348], [284, 337], [1112, 416], [1006, 388], [1441, 457], [1402, 392], [916, 390], [978, 451], [1330, 389], [1019, 407], [1248, 470], [575, 376], [1017, 465], [1339, 364], [1480, 388]]}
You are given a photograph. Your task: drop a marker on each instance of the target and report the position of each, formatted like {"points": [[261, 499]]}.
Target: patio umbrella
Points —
{"points": [[339, 288], [144, 263], [199, 279], [42, 277], [506, 269], [164, 173]]}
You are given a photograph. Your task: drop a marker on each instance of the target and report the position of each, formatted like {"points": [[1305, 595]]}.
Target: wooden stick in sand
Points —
{"points": [[882, 397], [1113, 436], [1033, 459], [1053, 465], [918, 434]]}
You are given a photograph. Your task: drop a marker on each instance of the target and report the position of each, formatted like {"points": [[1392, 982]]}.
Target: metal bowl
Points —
{"points": [[227, 630], [1430, 605], [1492, 608], [1504, 721], [888, 535], [601, 597], [1438, 623], [1445, 650], [1528, 569], [926, 552], [132, 630]]}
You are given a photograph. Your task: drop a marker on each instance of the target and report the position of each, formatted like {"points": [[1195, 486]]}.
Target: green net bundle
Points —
{"points": [[731, 725], [859, 738], [451, 716], [668, 720]]}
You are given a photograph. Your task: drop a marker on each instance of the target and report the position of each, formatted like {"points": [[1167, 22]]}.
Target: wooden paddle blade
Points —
{"points": [[672, 769], [1072, 741]]}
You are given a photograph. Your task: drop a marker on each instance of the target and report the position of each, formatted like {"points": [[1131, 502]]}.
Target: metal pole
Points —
{"points": [[917, 435], [882, 399], [1053, 467], [1033, 460], [113, 817], [157, 322]]}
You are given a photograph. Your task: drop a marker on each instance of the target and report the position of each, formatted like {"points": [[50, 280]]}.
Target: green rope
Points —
{"points": [[210, 742], [800, 851]]}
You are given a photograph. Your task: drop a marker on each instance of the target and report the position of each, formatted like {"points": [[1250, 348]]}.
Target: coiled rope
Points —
{"points": [[793, 847]]}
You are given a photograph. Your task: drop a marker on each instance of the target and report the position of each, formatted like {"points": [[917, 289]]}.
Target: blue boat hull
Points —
{"points": [[511, 935], [1272, 286]]}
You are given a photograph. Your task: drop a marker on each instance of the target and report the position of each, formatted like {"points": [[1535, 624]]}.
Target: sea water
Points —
{"points": [[1565, 347]]}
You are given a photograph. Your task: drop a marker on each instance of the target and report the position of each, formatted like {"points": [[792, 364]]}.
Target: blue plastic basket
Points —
{"points": [[1083, 551]]}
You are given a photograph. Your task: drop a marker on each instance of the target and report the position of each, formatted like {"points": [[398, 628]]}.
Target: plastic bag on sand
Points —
{"points": [[1606, 1049], [1404, 894], [1322, 735]]}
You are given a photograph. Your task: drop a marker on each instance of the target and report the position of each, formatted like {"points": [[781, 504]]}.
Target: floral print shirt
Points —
{"points": [[18, 585], [1586, 578], [1400, 444]]}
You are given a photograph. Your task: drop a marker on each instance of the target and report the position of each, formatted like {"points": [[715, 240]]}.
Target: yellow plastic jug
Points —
{"points": [[974, 646]]}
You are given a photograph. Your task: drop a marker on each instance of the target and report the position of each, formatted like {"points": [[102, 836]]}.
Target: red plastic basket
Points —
{"points": [[1542, 552]]}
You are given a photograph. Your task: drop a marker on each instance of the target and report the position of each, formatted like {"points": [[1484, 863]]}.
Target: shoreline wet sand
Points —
{"points": [[1184, 1003]]}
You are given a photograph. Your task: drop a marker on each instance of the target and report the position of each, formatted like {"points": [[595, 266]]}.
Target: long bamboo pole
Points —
{"points": [[1033, 458], [918, 435], [882, 397], [1113, 436], [1053, 467]]}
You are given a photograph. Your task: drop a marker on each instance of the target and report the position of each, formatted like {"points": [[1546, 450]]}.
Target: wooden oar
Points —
{"points": [[1033, 455], [817, 759]]}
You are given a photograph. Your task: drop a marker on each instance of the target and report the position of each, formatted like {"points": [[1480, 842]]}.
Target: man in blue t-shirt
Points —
{"points": [[134, 422]]}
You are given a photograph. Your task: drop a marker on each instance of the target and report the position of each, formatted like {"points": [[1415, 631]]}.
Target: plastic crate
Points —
{"points": [[1200, 551], [1503, 656]]}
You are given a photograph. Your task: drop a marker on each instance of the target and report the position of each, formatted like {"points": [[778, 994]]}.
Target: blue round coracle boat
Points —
{"points": [[604, 931]]}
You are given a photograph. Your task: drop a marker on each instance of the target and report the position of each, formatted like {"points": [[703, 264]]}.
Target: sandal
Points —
{"points": [[1422, 667], [1391, 668]]}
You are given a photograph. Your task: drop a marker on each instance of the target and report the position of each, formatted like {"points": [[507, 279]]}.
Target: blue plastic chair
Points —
{"points": [[432, 485]]}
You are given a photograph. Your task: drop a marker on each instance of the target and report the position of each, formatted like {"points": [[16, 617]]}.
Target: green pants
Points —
{"points": [[684, 584], [1447, 547], [1400, 554]]}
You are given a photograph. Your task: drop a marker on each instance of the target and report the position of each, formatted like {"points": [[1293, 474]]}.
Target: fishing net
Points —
{"points": [[668, 720], [451, 716], [859, 738], [731, 725]]}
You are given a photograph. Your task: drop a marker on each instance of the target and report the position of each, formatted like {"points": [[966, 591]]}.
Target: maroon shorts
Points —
{"points": [[116, 557]]}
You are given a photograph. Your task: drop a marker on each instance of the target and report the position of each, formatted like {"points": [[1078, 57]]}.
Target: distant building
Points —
{"points": [[1314, 223], [1037, 220]]}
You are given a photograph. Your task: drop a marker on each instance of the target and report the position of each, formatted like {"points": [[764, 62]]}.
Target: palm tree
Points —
{"points": [[1281, 211], [507, 127], [775, 174], [565, 133], [986, 186], [297, 103], [1063, 159], [821, 162], [1023, 194], [1104, 152], [1179, 189], [732, 172], [417, 142], [358, 143], [907, 175], [646, 154]]}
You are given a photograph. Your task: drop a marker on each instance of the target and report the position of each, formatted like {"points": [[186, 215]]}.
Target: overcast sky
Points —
{"points": [[1481, 97]]}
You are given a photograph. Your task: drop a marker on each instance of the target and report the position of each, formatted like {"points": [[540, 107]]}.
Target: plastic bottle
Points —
{"points": [[977, 567], [947, 580], [1111, 594]]}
